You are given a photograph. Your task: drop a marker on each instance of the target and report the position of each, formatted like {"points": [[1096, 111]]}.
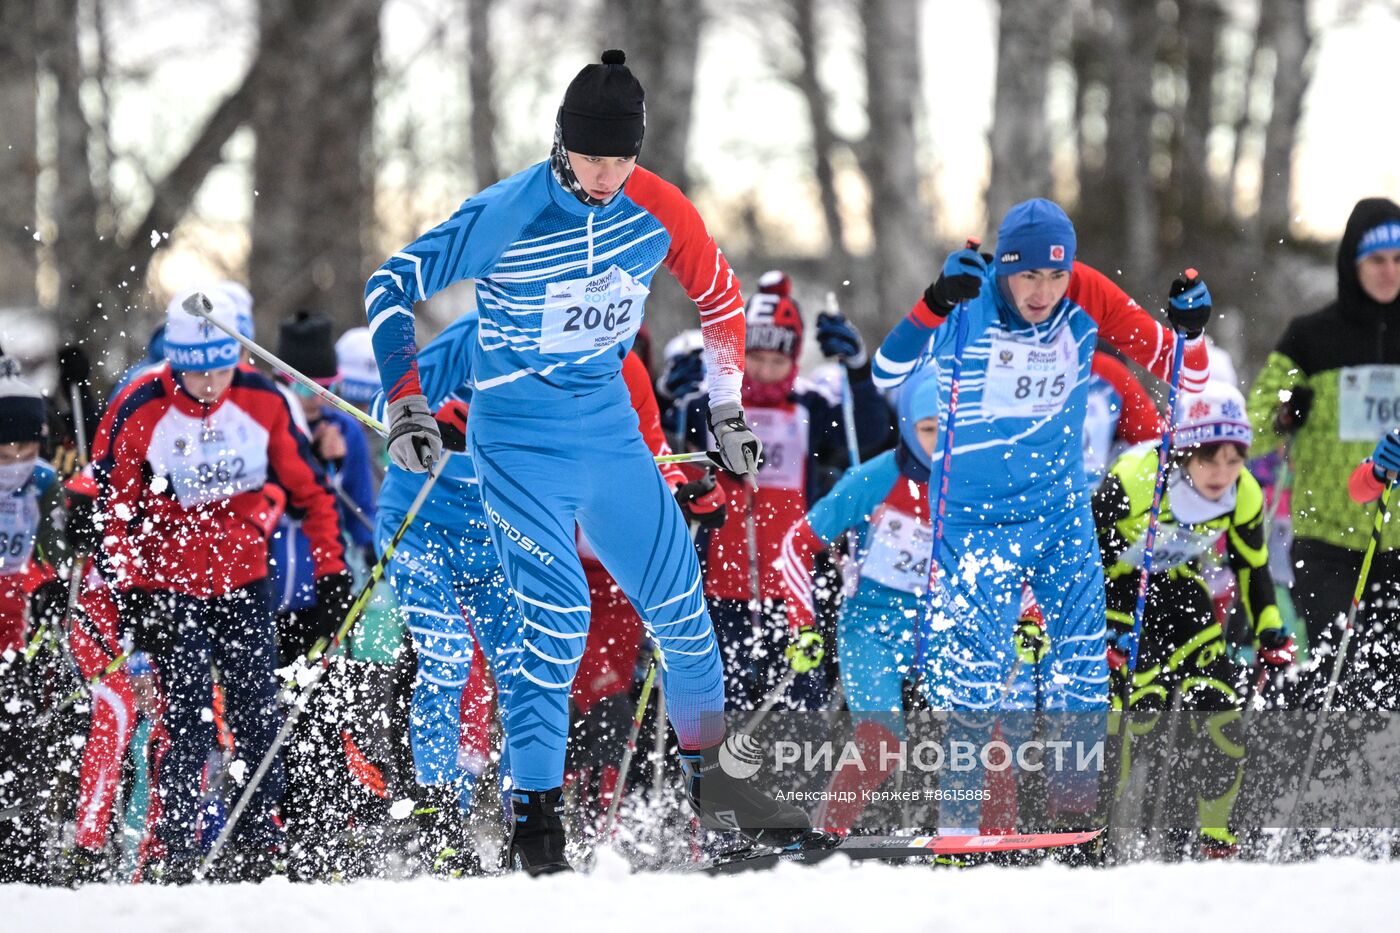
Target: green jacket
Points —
{"points": [[1348, 354]]}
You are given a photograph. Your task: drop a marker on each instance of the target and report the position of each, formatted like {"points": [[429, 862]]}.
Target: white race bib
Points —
{"points": [[1370, 402], [1027, 379], [786, 437], [1175, 545], [206, 461], [19, 523], [898, 551], [583, 315]]}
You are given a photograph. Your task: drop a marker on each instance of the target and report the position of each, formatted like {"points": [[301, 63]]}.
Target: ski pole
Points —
{"points": [[1377, 525], [848, 402], [941, 502], [626, 765], [322, 651]]}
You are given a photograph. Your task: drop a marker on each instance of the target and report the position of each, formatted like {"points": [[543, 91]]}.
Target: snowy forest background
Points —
{"points": [[148, 144]]}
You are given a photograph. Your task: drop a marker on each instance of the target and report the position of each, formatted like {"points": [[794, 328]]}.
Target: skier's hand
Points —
{"points": [[74, 368], [329, 442], [703, 501], [806, 651], [1031, 642], [1117, 637], [1293, 407], [839, 340], [414, 442], [451, 420], [334, 594], [1386, 458], [147, 618], [49, 604], [960, 280], [1276, 648], [1188, 307], [683, 375], [740, 451]]}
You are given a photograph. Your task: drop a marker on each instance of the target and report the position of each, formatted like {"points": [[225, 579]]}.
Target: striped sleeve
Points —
{"points": [[701, 269], [1125, 325], [464, 246], [899, 353]]}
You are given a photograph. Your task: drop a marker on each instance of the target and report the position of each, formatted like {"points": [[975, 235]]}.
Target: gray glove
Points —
{"points": [[414, 441], [740, 451]]}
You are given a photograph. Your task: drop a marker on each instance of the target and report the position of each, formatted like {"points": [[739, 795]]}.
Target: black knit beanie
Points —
{"points": [[603, 113], [307, 344]]}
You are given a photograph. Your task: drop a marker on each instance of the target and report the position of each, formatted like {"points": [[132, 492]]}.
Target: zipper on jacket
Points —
{"points": [[589, 226]]}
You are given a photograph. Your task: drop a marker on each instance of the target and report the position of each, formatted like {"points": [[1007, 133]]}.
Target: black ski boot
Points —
{"points": [[445, 846], [537, 843], [722, 802]]}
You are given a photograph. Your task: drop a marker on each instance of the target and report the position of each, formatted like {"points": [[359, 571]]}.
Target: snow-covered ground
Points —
{"points": [[1339, 894]]}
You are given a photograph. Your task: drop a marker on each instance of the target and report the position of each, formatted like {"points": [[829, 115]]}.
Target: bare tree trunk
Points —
{"points": [[481, 70], [76, 245], [1196, 195], [19, 159], [1130, 185], [315, 191], [1291, 41], [802, 15], [1091, 81], [1028, 43], [898, 215], [1244, 117], [662, 42]]}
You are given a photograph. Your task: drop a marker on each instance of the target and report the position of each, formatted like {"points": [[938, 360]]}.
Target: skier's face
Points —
{"points": [[767, 366], [1214, 470], [18, 452], [601, 176], [1037, 292], [1379, 273], [207, 387], [927, 429]]}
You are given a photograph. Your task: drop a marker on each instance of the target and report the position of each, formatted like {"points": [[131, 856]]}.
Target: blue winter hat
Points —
{"points": [[919, 398], [192, 343], [1382, 236], [1035, 234]]}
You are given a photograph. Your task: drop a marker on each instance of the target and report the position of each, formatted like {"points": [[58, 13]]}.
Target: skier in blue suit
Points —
{"points": [[562, 255]]}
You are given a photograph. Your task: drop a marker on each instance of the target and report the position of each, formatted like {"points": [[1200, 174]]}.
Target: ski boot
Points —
{"points": [[722, 802], [537, 841], [444, 845]]}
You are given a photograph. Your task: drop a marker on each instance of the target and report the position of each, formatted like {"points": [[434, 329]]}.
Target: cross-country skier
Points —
{"points": [[563, 254], [1208, 495], [1331, 388], [1017, 506], [884, 501], [194, 460]]}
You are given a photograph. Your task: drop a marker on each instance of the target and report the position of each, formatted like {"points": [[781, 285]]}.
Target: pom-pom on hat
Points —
{"points": [[604, 113], [1214, 415], [23, 417], [1035, 234], [192, 343], [304, 342], [359, 371]]}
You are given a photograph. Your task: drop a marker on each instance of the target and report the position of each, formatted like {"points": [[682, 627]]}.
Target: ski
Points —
{"points": [[859, 848]]}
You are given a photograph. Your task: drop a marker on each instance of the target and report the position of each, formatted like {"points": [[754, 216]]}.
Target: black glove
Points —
{"points": [[1189, 306], [49, 603], [960, 280], [74, 368], [334, 594], [1293, 410], [839, 339], [80, 529], [703, 501], [145, 616], [451, 420], [683, 375]]}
